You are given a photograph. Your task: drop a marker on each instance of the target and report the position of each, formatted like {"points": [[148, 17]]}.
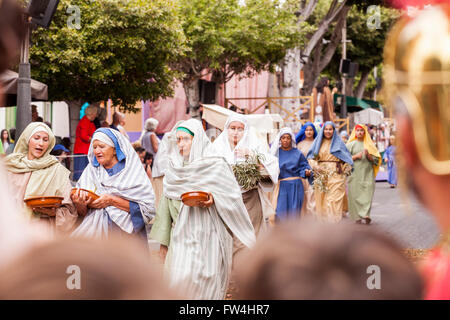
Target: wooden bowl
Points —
{"points": [[44, 202], [193, 198], [89, 192]]}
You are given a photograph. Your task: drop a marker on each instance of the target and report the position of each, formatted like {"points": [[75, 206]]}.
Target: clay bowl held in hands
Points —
{"points": [[194, 198], [89, 192], [44, 202]]}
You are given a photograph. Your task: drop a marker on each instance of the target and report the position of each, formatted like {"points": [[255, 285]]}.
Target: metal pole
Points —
{"points": [[24, 86], [375, 76], [344, 56]]}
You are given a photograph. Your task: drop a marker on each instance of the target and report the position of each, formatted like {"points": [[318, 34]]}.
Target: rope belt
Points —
{"points": [[276, 191], [339, 168]]}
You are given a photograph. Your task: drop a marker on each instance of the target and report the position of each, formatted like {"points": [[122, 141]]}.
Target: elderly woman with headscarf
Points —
{"points": [[199, 238], [304, 139], [334, 161], [361, 184], [288, 195], [33, 172], [238, 141], [115, 173]]}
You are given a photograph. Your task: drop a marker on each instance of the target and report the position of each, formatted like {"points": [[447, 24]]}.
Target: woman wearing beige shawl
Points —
{"points": [[32, 171]]}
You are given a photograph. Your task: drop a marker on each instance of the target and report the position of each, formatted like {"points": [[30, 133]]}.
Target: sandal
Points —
{"points": [[367, 220]]}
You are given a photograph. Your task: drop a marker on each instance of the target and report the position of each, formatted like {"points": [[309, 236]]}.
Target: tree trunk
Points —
{"points": [[362, 84], [193, 97], [291, 79], [349, 86], [335, 9], [311, 70]]}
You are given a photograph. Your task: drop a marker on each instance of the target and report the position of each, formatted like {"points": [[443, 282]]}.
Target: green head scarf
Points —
{"points": [[49, 177], [185, 130]]}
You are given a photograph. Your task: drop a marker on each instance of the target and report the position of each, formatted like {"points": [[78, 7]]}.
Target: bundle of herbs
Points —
{"points": [[247, 172], [321, 177], [321, 180]]}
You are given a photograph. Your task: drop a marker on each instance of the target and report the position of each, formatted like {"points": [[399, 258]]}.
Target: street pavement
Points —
{"points": [[413, 228]]}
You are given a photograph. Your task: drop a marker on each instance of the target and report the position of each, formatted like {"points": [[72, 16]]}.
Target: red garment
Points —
{"points": [[84, 133], [436, 271]]}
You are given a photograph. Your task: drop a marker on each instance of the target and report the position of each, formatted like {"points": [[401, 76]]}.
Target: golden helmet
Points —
{"points": [[417, 80]]}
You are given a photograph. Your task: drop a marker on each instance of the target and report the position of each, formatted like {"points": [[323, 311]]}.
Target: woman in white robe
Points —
{"points": [[126, 202], [237, 141], [199, 239]]}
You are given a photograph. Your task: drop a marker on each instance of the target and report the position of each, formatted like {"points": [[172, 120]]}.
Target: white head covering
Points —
{"points": [[201, 146], [276, 144], [249, 140], [100, 136], [131, 183], [38, 129]]}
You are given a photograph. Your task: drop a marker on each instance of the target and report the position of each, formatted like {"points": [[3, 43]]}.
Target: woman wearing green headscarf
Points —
{"points": [[32, 171]]}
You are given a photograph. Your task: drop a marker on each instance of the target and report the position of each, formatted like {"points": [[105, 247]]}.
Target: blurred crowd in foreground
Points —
{"points": [[214, 241]]}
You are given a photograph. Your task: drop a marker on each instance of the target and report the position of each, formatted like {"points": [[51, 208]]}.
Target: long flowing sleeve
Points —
{"points": [[66, 215], [304, 165], [162, 227]]}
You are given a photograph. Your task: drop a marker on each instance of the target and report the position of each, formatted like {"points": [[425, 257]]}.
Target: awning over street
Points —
{"points": [[354, 104], [369, 116], [9, 80], [217, 116], [264, 124]]}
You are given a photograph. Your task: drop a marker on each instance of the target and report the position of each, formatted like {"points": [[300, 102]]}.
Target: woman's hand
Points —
{"points": [[307, 172], [81, 198], [163, 252], [368, 155], [208, 203], [104, 201], [357, 156]]}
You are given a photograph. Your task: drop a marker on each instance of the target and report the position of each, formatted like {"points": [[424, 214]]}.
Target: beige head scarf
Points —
{"points": [[48, 176]]}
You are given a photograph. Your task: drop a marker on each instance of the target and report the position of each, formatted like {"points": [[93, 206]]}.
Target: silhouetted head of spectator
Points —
{"points": [[306, 260], [322, 84], [91, 113], [117, 118], [34, 113], [66, 142], [12, 134], [141, 152], [92, 269], [148, 158]]}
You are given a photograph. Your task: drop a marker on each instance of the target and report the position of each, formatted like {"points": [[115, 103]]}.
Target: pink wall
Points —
{"points": [[171, 110], [255, 87], [168, 111]]}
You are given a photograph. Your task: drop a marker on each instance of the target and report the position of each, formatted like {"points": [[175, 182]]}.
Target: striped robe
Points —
{"points": [[200, 253], [131, 184]]}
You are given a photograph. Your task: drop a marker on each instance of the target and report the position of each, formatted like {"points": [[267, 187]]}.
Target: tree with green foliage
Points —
{"points": [[228, 37], [120, 50], [366, 46], [320, 23]]}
